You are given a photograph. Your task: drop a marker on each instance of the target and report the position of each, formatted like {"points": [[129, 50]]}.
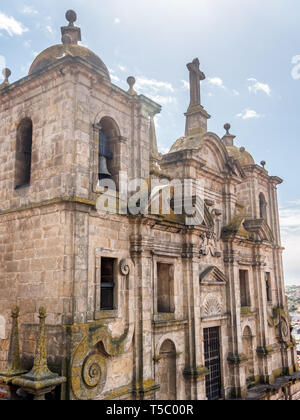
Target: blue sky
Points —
{"points": [[246, 49]]}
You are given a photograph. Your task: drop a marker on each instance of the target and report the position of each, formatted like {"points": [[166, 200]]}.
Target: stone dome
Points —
{"points": [[240, 154], [187, 143], [71, 35], [54, 53], [196, 142]]}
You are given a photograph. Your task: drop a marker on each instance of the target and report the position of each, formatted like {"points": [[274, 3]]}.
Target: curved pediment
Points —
{"points": [[216, 156]]}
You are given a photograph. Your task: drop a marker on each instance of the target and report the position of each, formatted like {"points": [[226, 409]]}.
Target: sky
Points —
{"points": [[249, 51]]}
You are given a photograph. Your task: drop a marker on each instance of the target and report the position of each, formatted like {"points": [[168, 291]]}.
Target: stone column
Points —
{"points": [[235, 358], [144, 366], [262, 332]]}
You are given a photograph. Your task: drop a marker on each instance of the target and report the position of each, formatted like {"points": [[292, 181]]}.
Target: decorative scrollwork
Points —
{"points": [[94, 372], [124, 267]]}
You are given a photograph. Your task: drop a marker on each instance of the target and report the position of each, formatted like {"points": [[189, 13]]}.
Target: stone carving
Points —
{"points": [[279, 319], [124, 267], [88, 366], [2, 328], [210, 244], [212, 307], [94, 372]]}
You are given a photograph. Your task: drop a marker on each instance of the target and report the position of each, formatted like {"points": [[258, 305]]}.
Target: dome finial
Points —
{"points": [[263, 163], [71, 34], [131, 82], [6, 74], [71, 17], [228, 137], [227, 127]]}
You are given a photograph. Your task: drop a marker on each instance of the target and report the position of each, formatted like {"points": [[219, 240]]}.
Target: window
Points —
{"points": [[269, 287], [262, 207], [23, 153], [213, 363], [165, 288], [107, 284], [244, 289]]}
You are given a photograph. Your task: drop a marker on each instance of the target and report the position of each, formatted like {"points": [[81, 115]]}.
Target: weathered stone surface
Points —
{"points": [[52, 241]]}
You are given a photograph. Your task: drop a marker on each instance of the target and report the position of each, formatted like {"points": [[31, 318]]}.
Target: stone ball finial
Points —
{"points": [[131, 82], [15, 312], [6, 73], [71, 17], [263, 163], [42, 312], [242, 149], [227, 127]]}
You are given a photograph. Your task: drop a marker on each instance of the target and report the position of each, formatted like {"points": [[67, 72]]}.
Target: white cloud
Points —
{"points": [[117, 20], [156, 90], [290, 227], [29, 10], [249, 114], [235, 92], [50, 29], [185, 85], [216, 81], [11, 25], [122, 68], [259, 87], [153, 85], [163, 100], [114, 78]]}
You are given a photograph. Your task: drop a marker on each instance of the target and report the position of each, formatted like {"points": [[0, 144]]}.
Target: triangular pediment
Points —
{"points": [[212, 275]]}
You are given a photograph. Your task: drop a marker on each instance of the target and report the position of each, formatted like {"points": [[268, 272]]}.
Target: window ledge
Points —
{"points": [[103, 314], [21, 187], [164, 317]]}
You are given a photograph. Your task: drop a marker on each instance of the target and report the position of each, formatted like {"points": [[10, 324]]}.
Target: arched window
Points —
{"points": [[108, 153], [262, 207], [23, 153]]}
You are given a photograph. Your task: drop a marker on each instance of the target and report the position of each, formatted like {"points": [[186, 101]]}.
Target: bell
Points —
{"points": [[103, 171]]}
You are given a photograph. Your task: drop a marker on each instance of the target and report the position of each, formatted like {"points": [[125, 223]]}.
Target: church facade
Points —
{"points": [[138, 306]]}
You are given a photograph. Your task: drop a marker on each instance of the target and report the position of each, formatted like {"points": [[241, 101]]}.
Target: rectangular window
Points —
{"points": [[244, 289], [165, 288], [107, 284]]}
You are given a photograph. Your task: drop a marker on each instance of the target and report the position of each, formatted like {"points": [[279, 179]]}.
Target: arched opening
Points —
{"points": [[269, 287], [248, 351], [262, 207], [108, 150], [167, 372], [23, 153]]}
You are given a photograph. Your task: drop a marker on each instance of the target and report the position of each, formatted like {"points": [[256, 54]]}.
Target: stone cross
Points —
{"points": [[196, 76]]}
